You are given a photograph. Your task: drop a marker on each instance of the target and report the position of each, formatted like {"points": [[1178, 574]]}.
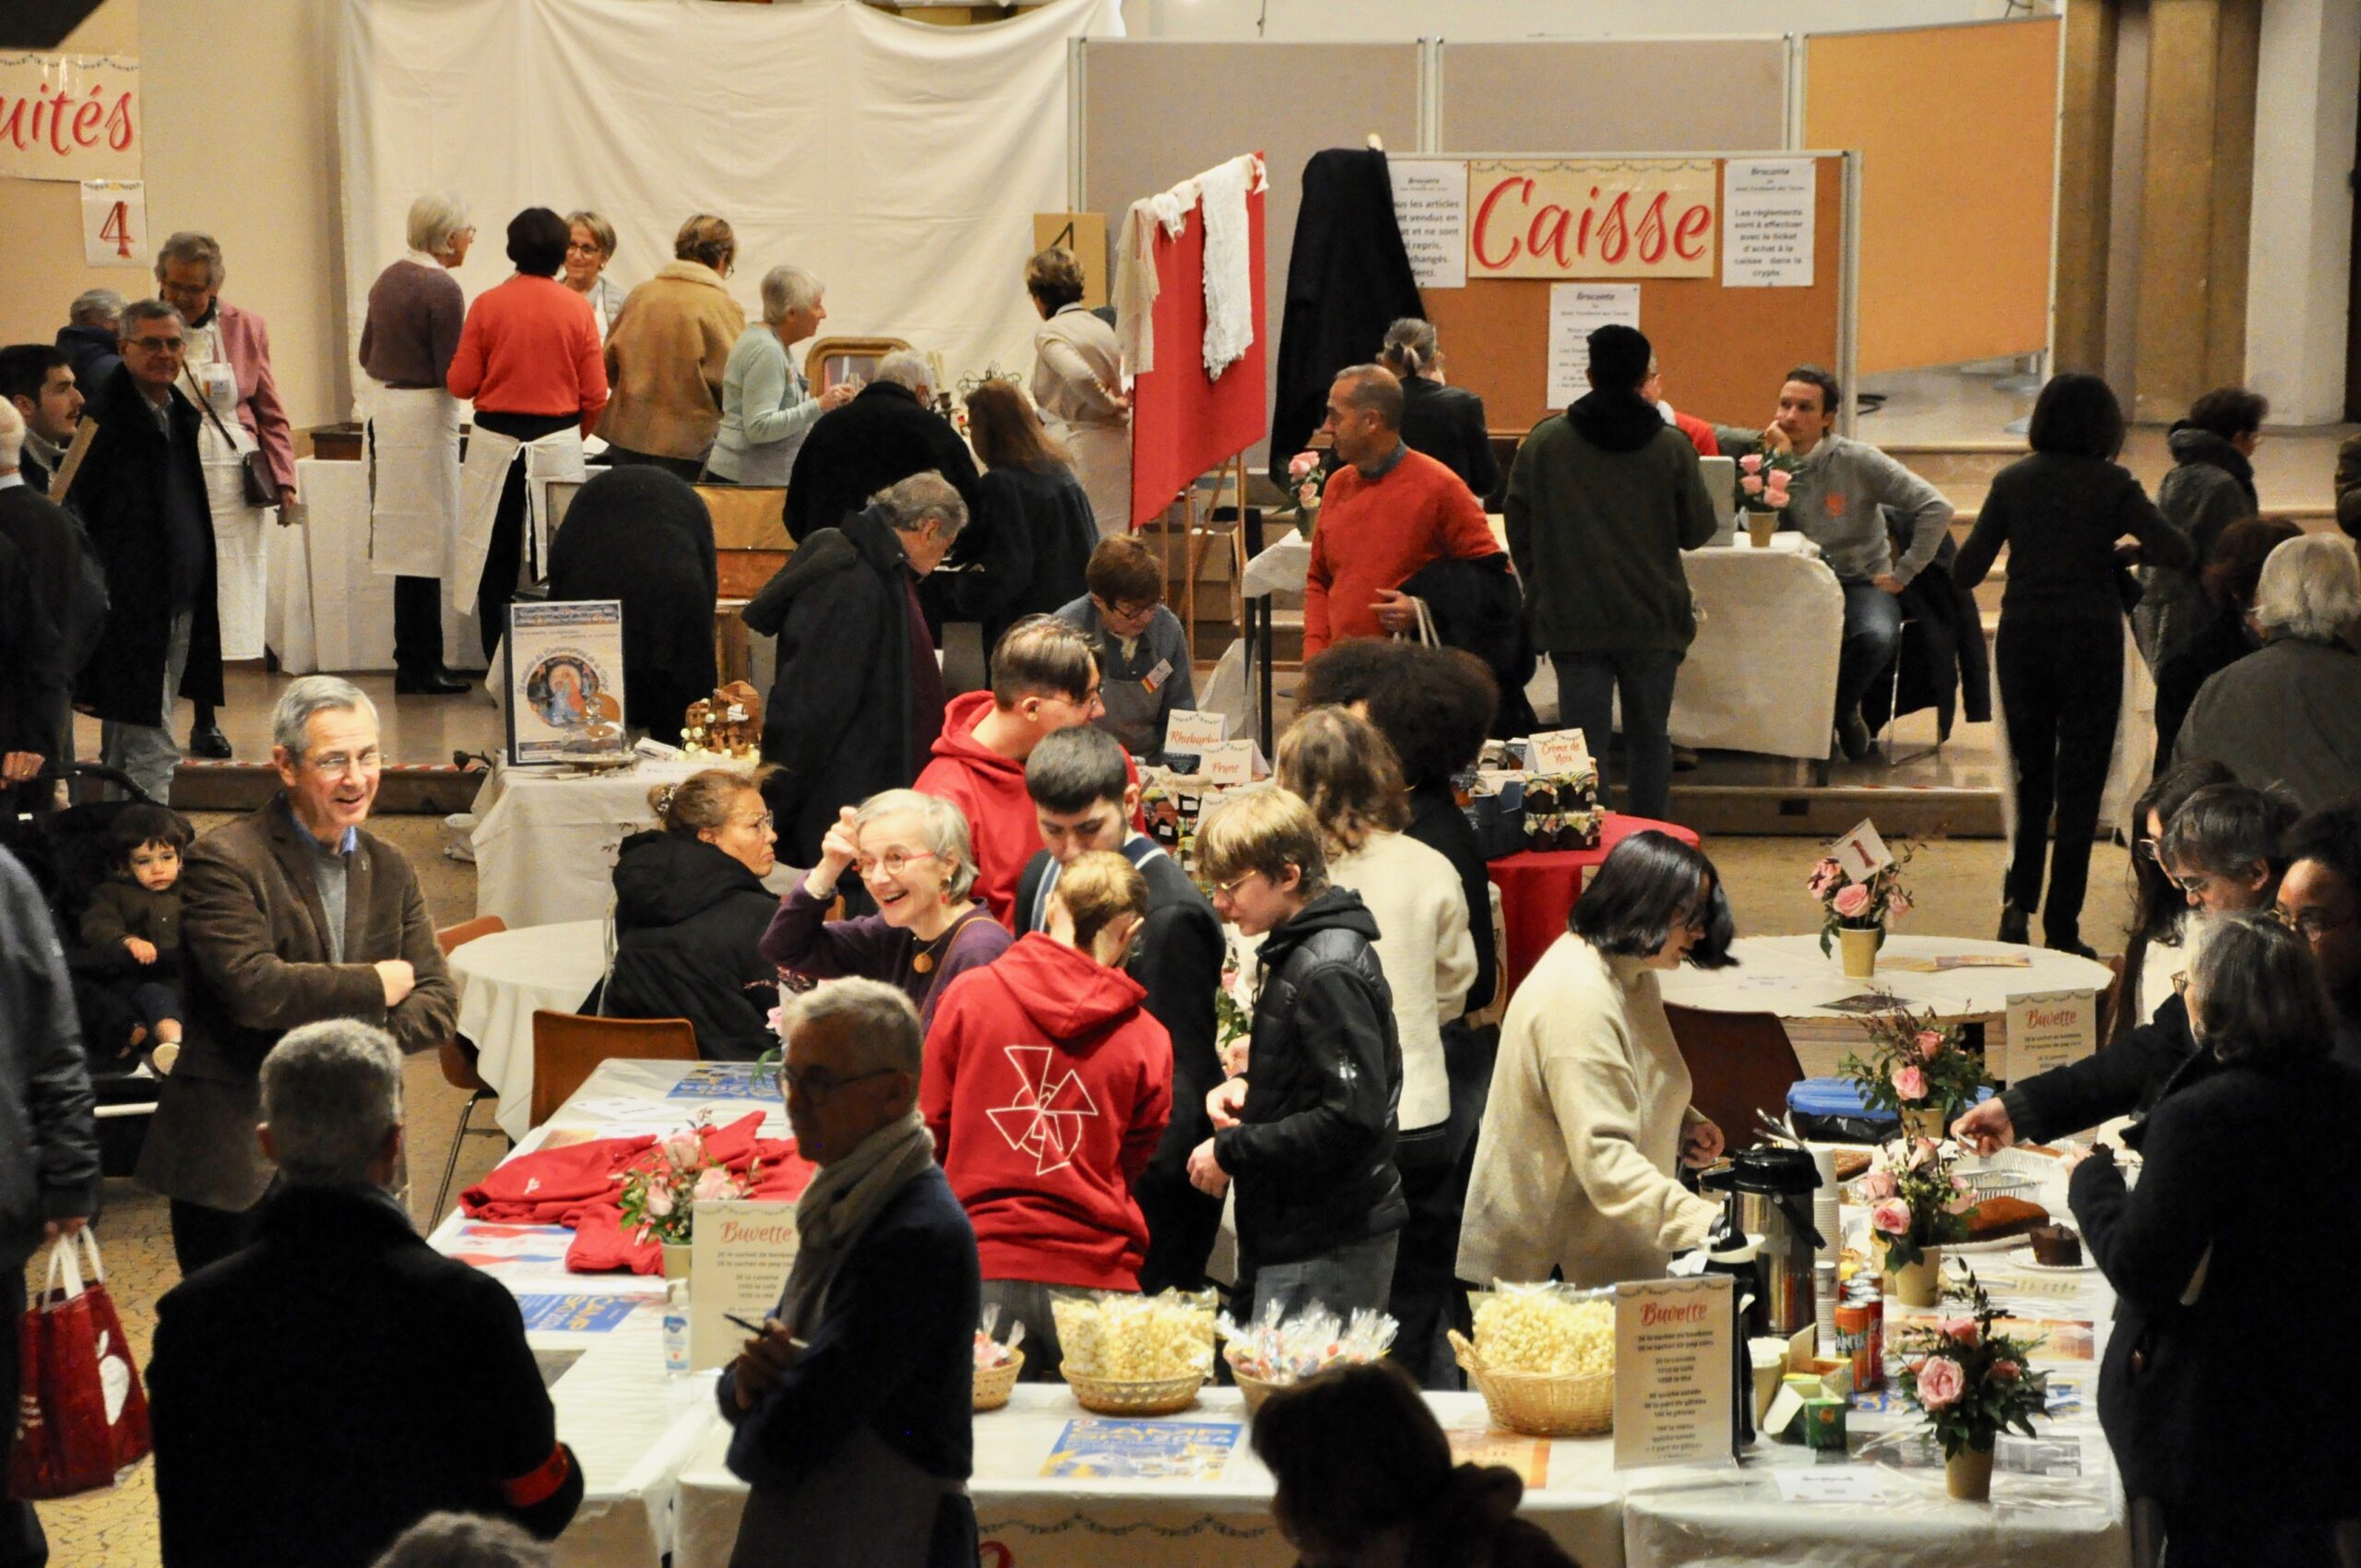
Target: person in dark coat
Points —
{"points": [[37, 381], [2232, 579], [640, 535], [690, 912], [858, 700], [2195, 1254], [141, 492], [883, 436], [1085, 801], [1446, 423], [1028, 544], [2061, 643], [2210, 487], [325, 1389], [49, 1141], [1348, 277], [90, 338], [32, 674]]}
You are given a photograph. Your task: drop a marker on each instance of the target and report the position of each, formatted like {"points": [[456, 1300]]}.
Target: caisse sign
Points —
{"points": [[1602, 217]]}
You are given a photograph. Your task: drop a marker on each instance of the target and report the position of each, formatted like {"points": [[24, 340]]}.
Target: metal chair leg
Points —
{"points": [[459, 1137]]}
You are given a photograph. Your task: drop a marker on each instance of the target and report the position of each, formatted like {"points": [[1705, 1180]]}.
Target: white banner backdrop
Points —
{"points": [[901, 162]]}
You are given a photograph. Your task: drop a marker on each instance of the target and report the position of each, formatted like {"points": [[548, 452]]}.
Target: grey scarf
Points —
{"points": [[838, 1206]]}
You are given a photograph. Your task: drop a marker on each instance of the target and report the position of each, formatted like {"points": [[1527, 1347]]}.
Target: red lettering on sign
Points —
{"points": [[1687, 234], [88, 117], [1555, 227], [1484, 220], [119, 123], [117, 228], [1615, 232]]}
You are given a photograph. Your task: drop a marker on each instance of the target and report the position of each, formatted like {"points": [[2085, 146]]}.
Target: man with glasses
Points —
{"points": [[1045, 679], [289, 915], [140, 492], [1143, 651]]}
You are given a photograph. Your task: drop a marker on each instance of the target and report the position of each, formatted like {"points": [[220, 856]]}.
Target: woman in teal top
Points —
{"points": [[766, 405]]}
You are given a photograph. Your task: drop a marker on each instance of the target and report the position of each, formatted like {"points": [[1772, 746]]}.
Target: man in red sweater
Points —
{"points": [[1389, 513], [1045, 679], [1047, 1086]]}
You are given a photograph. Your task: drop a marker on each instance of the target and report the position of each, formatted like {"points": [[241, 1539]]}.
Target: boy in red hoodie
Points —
{"points": [[1045, 679], [1047, 1086]]}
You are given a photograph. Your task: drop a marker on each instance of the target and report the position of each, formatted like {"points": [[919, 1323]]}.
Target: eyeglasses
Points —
{"points": [[762, 824], [155, 345], [892, 863], [576, 250], [1229, 889], [2310, 924], [338, 764], [2149, 850], [816, 1084]]}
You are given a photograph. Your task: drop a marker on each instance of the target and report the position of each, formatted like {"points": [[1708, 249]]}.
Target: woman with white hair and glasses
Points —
{"points": [[766, 405], [915, 865], [2289, 714], [416, 310], [589, 245]]}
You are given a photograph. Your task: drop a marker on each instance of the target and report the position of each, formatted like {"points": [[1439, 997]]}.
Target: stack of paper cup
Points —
{"points": [[1827, 1219]]}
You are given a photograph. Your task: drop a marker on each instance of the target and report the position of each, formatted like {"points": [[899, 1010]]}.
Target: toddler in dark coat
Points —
{"points": [[135, 917]]}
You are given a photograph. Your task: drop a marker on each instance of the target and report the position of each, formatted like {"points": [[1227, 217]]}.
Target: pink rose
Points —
{"points": [[1302, 464], [1307, 493], [1751, 484], [1961, 1329], [2006, 1371], [1853, 900], [683, 1148], [1890, 1216], [1752, 463], [1922, 1151], [659, 1201], [775, 1016], [1880, 1184], [1775, 486], [1910, 1083], [713, 1182], [1897, 903], [1930, 1043], [1941, 1382]]}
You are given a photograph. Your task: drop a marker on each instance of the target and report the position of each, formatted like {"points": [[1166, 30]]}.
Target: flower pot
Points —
{"points": [[1920, 1284], [676, 1259], [1859, 945], [1967, 1475], [1760, 527], [1923, 1122]]}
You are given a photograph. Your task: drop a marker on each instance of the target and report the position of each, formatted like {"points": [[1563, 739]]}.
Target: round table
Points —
{"points": [[1786, 976], [502, 979], [1539, 887]]}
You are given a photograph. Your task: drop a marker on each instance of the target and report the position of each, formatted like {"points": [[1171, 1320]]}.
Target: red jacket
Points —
{"points": [[1379, 534], [1701, 434], [1047, 1086], [989, 790]]}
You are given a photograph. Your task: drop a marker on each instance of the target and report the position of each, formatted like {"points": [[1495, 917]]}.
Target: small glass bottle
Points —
{"points": [[676, 1326]]}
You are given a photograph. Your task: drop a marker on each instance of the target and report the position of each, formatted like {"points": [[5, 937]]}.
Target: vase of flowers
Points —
{"points": [[664, 1186], [1917, 1070], [1972, 1385], [1856, 912], [1763, 484], [1916, 1205], [1307, 483]]}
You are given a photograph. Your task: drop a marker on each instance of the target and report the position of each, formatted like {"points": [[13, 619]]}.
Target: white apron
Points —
{"points": [[557, 455], [241, 553], [1102, 461], [413, 479]]}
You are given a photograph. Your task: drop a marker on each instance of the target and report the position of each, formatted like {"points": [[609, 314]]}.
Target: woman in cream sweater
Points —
{"points": [[1589, 1118], [1343, 767]]}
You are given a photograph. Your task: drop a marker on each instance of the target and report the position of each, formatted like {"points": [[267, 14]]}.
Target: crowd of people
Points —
{"points": [[1001, 1044]]}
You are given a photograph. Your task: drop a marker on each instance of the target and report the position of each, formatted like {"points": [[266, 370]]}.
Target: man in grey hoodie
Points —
{"points": [[1835, 500]]}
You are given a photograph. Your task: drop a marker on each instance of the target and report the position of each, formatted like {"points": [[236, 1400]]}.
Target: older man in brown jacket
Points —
{"points": [[288, 916]]}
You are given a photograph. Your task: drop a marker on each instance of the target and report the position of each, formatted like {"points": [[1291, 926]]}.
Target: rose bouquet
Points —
{"points": [[662, 1188], [1972, 1385], [1848, 905], [1916, 1064], [1306, 483], [1763, 480], [1916, 1205]]}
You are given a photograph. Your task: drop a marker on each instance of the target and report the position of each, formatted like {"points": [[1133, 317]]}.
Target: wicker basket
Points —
{"points": [[1541, 1404], [1253, 1388], [994, 1385], [1154, 1396]]}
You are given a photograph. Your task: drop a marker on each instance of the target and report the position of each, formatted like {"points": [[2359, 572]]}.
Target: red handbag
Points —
{"points": [[82, 1418]]}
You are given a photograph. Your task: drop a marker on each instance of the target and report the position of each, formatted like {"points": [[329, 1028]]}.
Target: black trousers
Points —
{"points": [[2195, 1538], [22, 1544], [418, 625], [1425, 1259], [2061, 683], [203, 1235], [503, 561], [1181, 1226]]}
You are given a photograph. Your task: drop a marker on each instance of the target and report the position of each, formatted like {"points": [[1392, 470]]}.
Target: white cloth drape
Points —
{"points": [[885, 155]]}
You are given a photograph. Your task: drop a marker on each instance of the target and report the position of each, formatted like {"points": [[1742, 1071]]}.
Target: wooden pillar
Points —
{"points": [[2085, 185], [2196, 200]]}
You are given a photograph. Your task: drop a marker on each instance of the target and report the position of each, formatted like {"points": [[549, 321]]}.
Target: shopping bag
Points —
{"points": [[82, 1418]]}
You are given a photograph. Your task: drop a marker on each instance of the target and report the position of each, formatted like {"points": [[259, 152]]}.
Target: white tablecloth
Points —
{"points": [[329, 609], [1762, 674], [501, 979]]}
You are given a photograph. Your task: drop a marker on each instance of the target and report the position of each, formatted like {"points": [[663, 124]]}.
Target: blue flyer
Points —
{"points": [[1103, 1449], [575, 1314], [716, 1080]]}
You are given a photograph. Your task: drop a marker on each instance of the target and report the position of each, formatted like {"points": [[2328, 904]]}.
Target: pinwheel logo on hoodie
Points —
{"points": [[1044, 1118]]}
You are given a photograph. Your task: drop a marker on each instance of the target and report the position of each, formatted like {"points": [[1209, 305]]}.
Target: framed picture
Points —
{"points": [[563, 675]]}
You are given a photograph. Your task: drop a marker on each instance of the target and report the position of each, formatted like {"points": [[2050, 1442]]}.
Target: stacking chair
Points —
{"points": [[568, 1047], [1739, 1064], [458, 1058]]}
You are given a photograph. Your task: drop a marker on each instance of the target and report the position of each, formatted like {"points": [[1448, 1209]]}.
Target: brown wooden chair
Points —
{"points": [[1739, 1064], [568, 1047], [459, 1056]]}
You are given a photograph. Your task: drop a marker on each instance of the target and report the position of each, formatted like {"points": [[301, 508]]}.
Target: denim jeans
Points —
{"points": [[147, 753], [1872, 637], [1359, 1274], [1586, 686]]}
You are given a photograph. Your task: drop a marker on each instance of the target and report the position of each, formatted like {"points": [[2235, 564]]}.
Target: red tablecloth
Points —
{"points": [[1539, 887]]}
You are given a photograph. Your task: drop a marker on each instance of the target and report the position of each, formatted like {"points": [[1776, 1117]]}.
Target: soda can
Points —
{"points": [[1824, 1424], [1852, 1336], [1871, 1373]]}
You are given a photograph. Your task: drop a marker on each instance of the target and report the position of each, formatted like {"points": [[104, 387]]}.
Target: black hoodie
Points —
{"points": [[1313, 1150], [689, 918], [1618, 421]]}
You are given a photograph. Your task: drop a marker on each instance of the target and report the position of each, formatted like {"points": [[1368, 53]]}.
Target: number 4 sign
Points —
{"points": [[114, 223]]}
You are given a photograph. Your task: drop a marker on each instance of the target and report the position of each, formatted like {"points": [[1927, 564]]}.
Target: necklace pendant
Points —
{"points": [[922, 963]]}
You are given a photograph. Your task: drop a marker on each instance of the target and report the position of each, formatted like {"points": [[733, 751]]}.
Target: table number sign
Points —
{"points": [[1862, 852], [2049, 1029], [1675, 1341]]}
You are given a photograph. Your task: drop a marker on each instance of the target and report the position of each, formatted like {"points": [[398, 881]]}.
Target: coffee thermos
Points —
{"points": [[1770, 1200]]}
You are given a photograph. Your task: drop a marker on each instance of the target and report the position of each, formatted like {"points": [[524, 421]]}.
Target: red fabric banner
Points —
{"points": [[1181, 423]]}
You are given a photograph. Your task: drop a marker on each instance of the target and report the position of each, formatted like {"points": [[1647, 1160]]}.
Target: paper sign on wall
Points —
{"points": [[1577, 310], [1768, 208], [740, 1253], [1558, 751], [1592, 217], [1862, 852], [70, 116], [2050, 1029], [1675, 1340], [1430, 208], [1232, 762], [1083, 233], [114, 223], [1193, 733]]}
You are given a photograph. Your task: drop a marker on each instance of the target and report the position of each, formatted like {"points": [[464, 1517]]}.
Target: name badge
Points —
{"points": [[1157, 676]]}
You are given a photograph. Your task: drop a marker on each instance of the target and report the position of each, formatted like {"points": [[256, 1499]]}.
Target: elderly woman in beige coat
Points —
{"points": [[669, 352], [1589, 1120], [1078, 385]]}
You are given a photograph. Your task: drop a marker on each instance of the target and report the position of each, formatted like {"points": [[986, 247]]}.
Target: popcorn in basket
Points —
{"points": [[1136, 1355], [1543, 1358]]}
